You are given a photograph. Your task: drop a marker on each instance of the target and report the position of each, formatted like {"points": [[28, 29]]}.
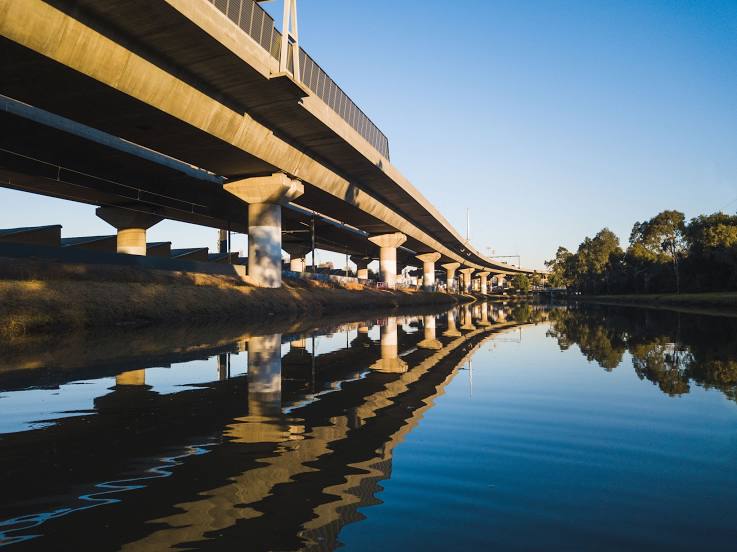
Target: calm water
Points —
{"points": [[484, 427]]}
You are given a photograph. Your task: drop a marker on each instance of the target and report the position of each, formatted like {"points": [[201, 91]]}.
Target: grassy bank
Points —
{"points": [[40, 297], [719, 302]]}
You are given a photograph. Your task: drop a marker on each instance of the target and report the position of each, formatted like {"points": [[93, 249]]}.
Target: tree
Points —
{"points": [[658, 241], [562, 268], [521, 282]]}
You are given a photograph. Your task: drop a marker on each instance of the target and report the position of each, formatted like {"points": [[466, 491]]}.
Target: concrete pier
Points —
{"points": [[265, 196], [450, 269], [361, 263], [297, 255], [484, 282], [131, 227], [388, 244], [428, 270], [466, 273]]}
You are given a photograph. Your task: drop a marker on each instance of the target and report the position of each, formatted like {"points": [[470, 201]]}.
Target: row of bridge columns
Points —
{"points": [[265, 197]]}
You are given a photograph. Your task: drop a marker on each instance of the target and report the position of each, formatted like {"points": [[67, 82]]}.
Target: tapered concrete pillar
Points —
{"points": [[428, 270], [466, 273], [297, 253], [265, 196], [131, 227], [450, 269], [390, 361], [452, 330], [430, 340], [388, 244], [484, 282], [500, 280], [361, 266]]}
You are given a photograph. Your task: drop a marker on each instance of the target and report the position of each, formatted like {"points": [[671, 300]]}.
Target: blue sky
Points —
{"points": [[548, 120]]}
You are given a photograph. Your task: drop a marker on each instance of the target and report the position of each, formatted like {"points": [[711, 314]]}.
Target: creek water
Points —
{"points": [[487, 426]]}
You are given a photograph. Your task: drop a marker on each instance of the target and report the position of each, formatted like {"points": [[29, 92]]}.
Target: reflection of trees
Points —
{"points": [[663, 364], [671, 350], [597, 341], [525, 313]]}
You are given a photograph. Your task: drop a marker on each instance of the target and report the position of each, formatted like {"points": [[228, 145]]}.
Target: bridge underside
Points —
{"points": [[110, 177], [288, 119]]}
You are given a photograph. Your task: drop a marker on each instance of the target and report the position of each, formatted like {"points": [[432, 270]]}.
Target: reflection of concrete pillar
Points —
{"points": [[451, 268], [390, 361], [361, 266], [388, 256], [452, 330], [131, 227], [428, 269], [223, 366], [264, 375], [484, 282], [132, 377], [466, 272], [484, 315], [430, 341], [467, 319], [265, 196], [300, 343]]}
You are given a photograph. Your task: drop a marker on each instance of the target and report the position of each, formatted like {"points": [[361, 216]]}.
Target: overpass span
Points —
{"points": [[194, 81]]}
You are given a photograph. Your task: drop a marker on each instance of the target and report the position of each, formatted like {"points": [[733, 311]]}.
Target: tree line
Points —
{"points": [[665, 254]]}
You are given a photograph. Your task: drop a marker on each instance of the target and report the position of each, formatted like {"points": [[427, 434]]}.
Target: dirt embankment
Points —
{"points": [[37, 297]]}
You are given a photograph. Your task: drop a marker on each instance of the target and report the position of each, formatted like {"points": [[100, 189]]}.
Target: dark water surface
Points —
{"points": [[486, 427]]}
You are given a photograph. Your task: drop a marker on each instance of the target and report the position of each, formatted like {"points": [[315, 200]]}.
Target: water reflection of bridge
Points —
{"points": [[290, 469]]}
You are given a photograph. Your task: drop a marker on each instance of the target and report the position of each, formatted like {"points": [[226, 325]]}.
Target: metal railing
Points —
{"points": [[259, 25]]}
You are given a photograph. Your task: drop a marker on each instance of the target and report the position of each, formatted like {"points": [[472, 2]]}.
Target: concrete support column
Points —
{"points": [[428, 269], [500, 280], [131, 227], [390, 361], [297, 253], [484, 283], [361, 266], [265, 196], [466, 272], [451, 268], [388, 244]]}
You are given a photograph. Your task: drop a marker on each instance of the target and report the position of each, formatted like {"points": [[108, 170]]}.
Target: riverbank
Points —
{"points": [[705, 303], [37, 297]]}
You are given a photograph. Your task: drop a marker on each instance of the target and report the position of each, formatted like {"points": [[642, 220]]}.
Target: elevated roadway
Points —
{"points": [[197, 83]]}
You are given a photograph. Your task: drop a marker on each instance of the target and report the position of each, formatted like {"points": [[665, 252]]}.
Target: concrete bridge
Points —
{"points": [[202, 112]]}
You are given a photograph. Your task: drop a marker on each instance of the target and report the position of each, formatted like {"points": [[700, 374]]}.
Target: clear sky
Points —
{"points": [[547, 119]]}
